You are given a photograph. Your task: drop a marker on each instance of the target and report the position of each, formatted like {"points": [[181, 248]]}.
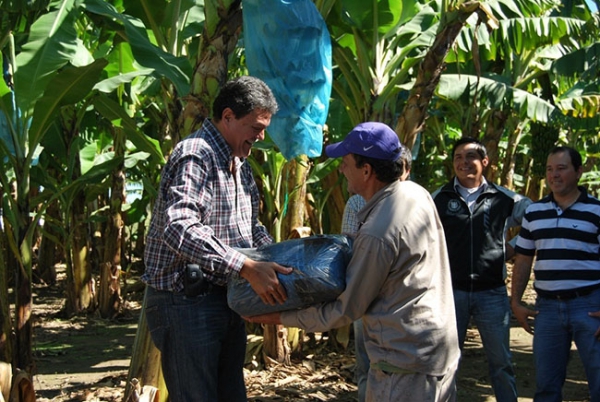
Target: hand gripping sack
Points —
{"points": [[319, 273]]}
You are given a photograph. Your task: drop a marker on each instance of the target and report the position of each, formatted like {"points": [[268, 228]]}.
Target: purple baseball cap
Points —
{"points": [[370, 139]]}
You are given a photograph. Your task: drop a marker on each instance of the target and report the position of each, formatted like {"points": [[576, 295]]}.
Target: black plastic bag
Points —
{"points": [[319, 274]]}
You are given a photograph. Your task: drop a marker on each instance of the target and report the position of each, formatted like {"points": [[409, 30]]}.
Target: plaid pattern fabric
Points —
{"points": [[350, 222], [203, 210]]}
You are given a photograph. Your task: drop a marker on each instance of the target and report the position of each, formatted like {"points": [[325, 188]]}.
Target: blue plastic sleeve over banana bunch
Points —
{"points": [[288, 46]]}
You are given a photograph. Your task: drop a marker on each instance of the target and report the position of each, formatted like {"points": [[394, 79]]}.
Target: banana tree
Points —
{"points": [[29, 108], [454, 17], [52, 68], [376, 45], [516, 73], [379, 47], [161, 57]]}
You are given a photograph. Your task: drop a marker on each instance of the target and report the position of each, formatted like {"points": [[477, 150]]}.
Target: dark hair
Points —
{"points": [[385, 171], [480, 148], [406, 158], [573, 153], [244, 95]]}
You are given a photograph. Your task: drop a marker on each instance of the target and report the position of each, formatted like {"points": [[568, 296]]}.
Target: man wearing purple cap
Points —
{"points": [[398, 280]]}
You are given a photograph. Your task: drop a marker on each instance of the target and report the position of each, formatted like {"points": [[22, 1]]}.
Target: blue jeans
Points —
{"points": [[491, 313], [202, 343], [362, 360], [557, 324]]}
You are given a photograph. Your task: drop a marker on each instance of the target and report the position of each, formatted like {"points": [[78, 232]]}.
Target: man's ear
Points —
{"points": [[367, 171], [579, 172], [227, 115], [485, 161]]}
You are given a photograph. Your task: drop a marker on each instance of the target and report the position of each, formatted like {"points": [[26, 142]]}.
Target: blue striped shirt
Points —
{"points": [[202, 211], [566, 243]]}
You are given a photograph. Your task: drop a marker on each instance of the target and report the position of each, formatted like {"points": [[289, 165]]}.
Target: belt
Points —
{"points": [[567, 294], [208, 289]]}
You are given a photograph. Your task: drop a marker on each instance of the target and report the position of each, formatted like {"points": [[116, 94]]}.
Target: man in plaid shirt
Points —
{"points": [[207, 206]]}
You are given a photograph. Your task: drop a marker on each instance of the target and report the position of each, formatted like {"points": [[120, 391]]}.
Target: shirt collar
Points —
{"points": [[482, 187], [221, 146]]}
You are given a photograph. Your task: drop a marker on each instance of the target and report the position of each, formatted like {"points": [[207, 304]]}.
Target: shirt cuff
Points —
{"points": [[289, 319], [236, 261]]}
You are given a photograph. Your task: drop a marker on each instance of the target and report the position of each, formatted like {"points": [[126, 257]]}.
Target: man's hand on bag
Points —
{"points": [[262, 276]]}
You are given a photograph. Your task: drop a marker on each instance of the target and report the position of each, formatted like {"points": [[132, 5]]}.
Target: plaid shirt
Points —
{"points": [[201, 212], [350, 222]]}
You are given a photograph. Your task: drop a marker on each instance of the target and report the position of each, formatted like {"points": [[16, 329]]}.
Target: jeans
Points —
{"points": [[491, 313], [557, 324], [202, 343], [362, 360]]}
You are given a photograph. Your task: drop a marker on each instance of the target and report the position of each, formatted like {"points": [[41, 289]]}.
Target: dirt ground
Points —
{"points": [[87, 358]]}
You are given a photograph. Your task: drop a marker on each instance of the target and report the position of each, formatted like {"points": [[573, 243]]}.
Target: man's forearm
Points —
{"points": [[520, 277]]}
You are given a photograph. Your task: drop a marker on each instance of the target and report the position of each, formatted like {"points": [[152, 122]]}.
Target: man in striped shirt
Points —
{"points": [[207, 208], [562, 231]]}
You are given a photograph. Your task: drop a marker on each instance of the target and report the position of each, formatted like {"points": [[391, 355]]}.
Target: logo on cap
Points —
{"points": [[371, 139]]}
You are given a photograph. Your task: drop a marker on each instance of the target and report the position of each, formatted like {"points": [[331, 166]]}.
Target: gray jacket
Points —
{"points": [[399, 282]]}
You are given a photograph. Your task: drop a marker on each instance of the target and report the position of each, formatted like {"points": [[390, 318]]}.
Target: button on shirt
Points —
{"points": [[208, 203]]}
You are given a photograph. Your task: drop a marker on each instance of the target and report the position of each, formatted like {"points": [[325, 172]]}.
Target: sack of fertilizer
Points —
{"points": [[319, 273]]}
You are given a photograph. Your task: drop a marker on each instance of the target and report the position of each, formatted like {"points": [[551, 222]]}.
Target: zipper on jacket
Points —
{"points": [[471, 248]]}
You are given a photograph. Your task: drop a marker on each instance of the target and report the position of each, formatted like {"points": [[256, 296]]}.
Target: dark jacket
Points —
{"points": [[476, 240]]}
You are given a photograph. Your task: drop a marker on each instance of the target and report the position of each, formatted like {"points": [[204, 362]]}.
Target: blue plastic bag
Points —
{"points": [[288, 46], [319, 273]]}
